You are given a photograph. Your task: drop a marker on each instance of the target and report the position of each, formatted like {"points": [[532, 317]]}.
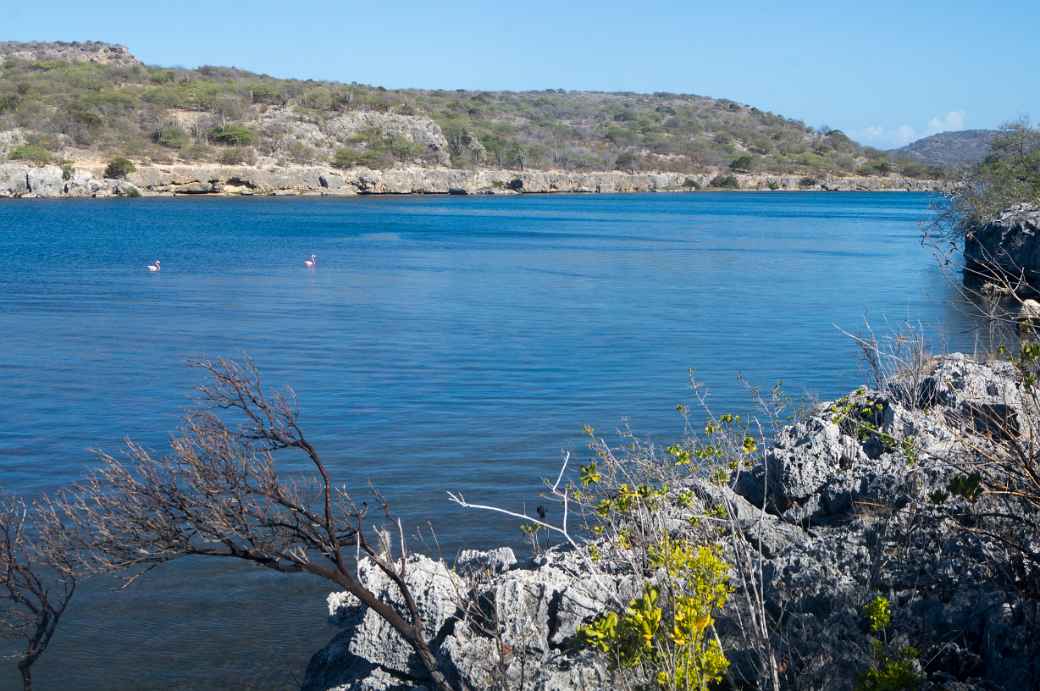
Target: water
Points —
{"points": [[442, 343]]}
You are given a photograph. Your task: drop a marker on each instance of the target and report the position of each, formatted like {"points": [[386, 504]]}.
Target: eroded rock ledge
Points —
{"points": [[22, 180], [1008, 244], [840, 519]]}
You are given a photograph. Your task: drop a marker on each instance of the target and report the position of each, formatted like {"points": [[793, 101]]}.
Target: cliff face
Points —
{"points": [[23, 180], [77, 51], [1009, 244]]}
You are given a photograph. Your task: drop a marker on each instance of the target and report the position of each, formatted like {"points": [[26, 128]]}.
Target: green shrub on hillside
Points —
{"points": [[119, 168], [742, 164], [172, 136], [725, 182], [32, 153], [232, 135], [1009, 175]]}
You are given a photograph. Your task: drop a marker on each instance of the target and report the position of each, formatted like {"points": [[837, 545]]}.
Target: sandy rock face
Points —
{"points": [[325, 135], [76, 51]]}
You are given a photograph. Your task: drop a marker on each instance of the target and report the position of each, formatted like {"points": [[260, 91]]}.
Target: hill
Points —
{"points": [[949, 149], [90, 102]]}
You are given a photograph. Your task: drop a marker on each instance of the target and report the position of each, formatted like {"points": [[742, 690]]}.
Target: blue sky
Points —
{"points": [[885, 72]]}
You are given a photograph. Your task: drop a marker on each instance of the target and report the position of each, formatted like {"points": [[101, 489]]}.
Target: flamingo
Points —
{"points": [[312, 262], [154, 267]]}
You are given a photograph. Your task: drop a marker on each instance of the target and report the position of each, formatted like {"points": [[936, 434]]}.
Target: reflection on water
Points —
{"points": [[441, 343]]}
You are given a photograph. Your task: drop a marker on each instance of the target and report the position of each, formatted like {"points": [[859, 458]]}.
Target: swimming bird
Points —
{"points": [[311, 263], [154, 267]]}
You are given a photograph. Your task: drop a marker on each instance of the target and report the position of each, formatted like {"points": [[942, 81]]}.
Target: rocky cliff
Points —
{"points": [[51, 181], [830, 518], [76, 51], [1008, 244]]}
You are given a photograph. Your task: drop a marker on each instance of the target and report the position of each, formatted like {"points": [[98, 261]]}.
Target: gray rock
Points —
{"points": [[471, 562], [75, 51], [1009, 243], [846, 518]]}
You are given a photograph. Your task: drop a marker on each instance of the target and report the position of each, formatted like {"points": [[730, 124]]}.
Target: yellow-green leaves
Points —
{"points": [[589, 475], [878, 614], [668, 628]]}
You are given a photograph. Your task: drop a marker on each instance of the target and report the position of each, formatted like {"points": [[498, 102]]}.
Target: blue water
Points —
{"points": [[442, 343]]}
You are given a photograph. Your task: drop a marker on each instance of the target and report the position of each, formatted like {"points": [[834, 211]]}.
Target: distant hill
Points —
{"points": [[949, 149], [90, 101]]}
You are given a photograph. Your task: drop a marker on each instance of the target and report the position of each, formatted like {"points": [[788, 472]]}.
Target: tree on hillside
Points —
{"points": [[1009, 175]]}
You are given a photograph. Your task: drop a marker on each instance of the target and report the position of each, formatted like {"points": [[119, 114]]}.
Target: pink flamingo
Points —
{"points": [[312, 262], [154, 267]]}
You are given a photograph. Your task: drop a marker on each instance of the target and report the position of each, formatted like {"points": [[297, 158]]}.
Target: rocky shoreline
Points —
{"points": [[830, 517], [19, 180]]}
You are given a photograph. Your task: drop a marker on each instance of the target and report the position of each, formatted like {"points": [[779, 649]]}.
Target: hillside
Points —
{"points": [[89, 102], [949, 149]]}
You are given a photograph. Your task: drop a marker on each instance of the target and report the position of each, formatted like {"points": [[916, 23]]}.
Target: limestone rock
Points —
{"points": [[831, 537], [204, 178], [437, 593], [75, 51], [1009, 243]]}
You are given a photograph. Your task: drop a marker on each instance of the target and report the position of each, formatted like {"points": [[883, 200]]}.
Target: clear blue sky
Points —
{"points": [[885, 72]]}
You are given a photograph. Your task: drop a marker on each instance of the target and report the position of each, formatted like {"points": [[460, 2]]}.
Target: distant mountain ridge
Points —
{"points": [[962, 148]]}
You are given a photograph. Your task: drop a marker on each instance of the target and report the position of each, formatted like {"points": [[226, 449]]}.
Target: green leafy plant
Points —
{"points": [[119, 168], [30, 152], [890, 670], [232, 135], [743, 164], [725, 182], [667, 632]]}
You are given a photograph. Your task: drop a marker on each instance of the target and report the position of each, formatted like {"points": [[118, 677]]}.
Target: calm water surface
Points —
{"points": [[442, 343]]}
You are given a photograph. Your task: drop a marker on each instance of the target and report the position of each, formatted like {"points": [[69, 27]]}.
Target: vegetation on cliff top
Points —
{"points": [[1009, 175], [81, 110]]}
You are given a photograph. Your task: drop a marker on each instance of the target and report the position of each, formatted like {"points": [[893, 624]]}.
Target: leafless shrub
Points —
{"points": [[37, 582], [218, 493]]}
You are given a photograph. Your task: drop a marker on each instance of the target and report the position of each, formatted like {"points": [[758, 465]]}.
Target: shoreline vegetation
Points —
{"points": [[90, 120]]}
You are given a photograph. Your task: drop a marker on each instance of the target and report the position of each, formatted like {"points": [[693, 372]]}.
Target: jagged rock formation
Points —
{"points": [[75, 51], [1008, 244], [846, 517], [24, 180]]}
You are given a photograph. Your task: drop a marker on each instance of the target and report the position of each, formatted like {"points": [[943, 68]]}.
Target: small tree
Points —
{"points": [[742, 164], [219, 494], [725, 182], [1009, 175], [37, 581], [232, 135], [119, 168]]}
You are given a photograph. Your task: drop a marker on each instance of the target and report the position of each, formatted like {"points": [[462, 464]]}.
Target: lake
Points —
{"points": [[442, 343]]}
